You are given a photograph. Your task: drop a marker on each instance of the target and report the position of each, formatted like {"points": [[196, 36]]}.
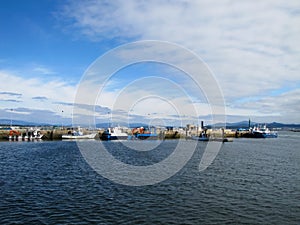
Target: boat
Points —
{"points": [[202, 137], [115, 133], [14, 135], [32, 134], [143, 133], [198, 138], [105, 136], [78, 134], [262, 132], [221, 139], [205, 138]]}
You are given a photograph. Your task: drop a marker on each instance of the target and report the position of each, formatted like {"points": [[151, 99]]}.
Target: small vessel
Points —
{"points": [[262, 132], [33, 134], [29, 135], [14, 135], [201, 137], [221, 139], [143, 133], [115, 133], [78, 134], [198, 138], [205, 138]]}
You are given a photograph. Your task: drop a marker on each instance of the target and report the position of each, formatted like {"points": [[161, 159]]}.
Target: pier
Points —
{"points": [[20, 133]]}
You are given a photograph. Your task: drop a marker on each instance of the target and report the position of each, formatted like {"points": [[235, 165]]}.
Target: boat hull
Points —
{"points": [[146, 136], [264, 135], [200, 138], [115, 133], [113, 138], [87, 136]]}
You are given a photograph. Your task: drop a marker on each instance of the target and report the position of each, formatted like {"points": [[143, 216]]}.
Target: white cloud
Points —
{"points": [[25, 92], [252, 46], [42, 70], [286, 105]]}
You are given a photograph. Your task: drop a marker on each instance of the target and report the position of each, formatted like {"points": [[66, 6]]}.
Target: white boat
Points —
{"points": [[115, 133], [30, 134], [78, 134], [35, 134], [263, 132]]}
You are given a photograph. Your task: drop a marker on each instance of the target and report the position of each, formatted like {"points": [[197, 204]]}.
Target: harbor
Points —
{"points": [[190, 131], [138, 112]]}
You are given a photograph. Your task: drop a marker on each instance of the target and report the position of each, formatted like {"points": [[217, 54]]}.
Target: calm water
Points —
{"points": [[252, 181]]}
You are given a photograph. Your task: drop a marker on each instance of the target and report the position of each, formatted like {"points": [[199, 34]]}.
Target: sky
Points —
{"points": [[251, 48]]}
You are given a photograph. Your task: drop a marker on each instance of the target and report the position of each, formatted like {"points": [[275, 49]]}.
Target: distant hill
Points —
{"points": [[282, 125], [131, 125], [241, 124], [245, 124], [6, 122]]}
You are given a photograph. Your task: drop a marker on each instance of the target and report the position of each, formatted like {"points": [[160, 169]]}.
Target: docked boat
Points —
{"points": [[115, 133], [205, 138], [33, 135], [262, 132], [143, 133], [197, 138], [14, 135], [78, 134], [29, 135], [221, 139], [202, 137]]}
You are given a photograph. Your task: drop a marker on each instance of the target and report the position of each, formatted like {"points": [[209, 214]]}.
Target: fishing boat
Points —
{"points": [[143, 133], [33, 134], [262, 132], [200, 138], [205, 138], [14, 135], [115, 133], [78, 134], [30, 134]]}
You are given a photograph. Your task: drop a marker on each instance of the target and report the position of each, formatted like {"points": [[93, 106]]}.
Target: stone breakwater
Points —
{"points": [[51, 134], [56, 134]]}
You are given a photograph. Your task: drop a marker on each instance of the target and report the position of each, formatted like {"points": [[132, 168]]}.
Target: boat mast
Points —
{"points": [[11, 111]]}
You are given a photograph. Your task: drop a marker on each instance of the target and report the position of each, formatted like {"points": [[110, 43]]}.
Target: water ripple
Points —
{"points": [[250, 182]]}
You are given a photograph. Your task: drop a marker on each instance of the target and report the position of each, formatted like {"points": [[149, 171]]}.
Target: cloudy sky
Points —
{"points": [[251, 48]]}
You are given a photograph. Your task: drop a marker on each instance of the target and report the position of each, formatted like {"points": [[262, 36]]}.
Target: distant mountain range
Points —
{"points": [[131, 125], [245, 124], [241, 124], [8, 122]]}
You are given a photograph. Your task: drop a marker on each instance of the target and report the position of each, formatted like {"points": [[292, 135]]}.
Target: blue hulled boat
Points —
{"points": [[263, 132], [115, 133]]}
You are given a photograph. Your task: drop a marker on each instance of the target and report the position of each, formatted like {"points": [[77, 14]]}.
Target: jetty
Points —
{"points": [[190, 131], [161, 133]]}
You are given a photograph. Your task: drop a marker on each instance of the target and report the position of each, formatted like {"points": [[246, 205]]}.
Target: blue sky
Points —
{"points": [[33, 38], [252, 49]]}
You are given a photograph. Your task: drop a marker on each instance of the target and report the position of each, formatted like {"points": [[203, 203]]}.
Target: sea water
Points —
{"points": [[251, 181]]}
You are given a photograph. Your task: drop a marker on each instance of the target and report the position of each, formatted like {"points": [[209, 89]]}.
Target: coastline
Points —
{"points": [[56, 133]]}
